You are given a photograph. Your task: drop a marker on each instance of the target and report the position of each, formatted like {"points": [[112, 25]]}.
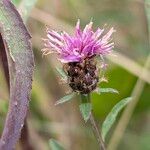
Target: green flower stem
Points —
{"points": [[96, 130]]}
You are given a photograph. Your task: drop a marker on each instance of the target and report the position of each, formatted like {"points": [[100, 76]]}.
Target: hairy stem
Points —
{"points": [[97, 132], [95, 128]]}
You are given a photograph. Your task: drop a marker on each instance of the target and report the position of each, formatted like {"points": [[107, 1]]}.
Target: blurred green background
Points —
{"points": [[64, 122]]}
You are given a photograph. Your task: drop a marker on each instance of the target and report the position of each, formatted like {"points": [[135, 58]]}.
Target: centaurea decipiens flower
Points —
{"points": [[78, 52]]}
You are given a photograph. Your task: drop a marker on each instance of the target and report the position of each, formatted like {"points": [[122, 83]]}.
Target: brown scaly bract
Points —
{"points": [[82, 76]]}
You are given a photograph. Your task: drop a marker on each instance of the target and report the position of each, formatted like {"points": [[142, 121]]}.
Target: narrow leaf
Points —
{"points": [[54, 145], [61, 73], [111, 117], [85, 109], [65, 98], [20, 59], [107, 90]]}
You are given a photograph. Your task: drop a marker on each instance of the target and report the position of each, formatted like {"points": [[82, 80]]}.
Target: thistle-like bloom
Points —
{"points": [[78, 52]]}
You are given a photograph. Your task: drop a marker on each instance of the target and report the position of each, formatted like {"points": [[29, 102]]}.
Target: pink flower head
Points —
{"points": [[83, 44]]}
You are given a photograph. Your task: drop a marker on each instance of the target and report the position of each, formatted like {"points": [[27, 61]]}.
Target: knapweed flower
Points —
{"points": [[78, 52]]}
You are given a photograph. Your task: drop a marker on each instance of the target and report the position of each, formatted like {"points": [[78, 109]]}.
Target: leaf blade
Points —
{"points": [[65, 98], [85, 109], [111, 117], [107, 90], [62, 73], [54, 145]]}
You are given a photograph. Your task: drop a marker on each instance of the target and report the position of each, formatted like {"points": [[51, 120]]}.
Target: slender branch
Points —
{"points": [[96, 130]]}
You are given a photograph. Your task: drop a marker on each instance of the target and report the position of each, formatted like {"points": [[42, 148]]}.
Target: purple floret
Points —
{"points": [[83, 44]]}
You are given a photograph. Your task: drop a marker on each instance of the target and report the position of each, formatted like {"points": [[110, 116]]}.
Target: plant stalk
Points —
{"points": [[96, 130]]}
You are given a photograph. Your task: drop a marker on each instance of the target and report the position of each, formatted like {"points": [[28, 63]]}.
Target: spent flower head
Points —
{"points": [[77, 52]]}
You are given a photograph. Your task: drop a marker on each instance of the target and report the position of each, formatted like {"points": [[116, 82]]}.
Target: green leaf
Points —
{"points": [[62, 73], [54, 145], [107, 90], [65, 98], [111, 117], [85, 109]]}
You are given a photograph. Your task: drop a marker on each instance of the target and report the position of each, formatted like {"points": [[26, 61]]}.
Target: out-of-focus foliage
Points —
{"points": [[24, 7], [64, 122]]}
